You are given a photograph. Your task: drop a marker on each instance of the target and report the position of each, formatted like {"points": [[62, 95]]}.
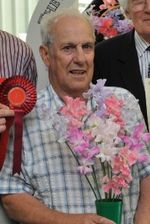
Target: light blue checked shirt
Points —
{"points": [[49, 168]]}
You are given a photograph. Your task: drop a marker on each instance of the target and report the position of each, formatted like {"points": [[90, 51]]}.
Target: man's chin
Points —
{"points": [[78, 91]]}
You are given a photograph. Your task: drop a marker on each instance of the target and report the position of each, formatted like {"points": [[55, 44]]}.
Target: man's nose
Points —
{"points": [[79, 55]]}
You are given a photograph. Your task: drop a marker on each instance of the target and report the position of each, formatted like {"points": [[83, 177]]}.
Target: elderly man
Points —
{"points": [[124, 60], [49, 190]]}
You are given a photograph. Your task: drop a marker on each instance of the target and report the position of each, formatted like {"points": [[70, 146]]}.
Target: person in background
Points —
{"points": [[123, 60], [16, 58], [49, 190]]}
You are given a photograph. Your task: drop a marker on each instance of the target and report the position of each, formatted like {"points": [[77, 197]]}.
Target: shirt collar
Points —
{"points": [[140, 44], [56, 103], [53, 102]]}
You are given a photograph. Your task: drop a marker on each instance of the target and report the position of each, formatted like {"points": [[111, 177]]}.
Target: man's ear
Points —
{"points": [[44, 52]]}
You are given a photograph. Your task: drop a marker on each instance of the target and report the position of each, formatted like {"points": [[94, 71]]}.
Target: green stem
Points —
{"points": [[84, 174], [95, 180], [104, 174], [103, 168], [110, 176]]}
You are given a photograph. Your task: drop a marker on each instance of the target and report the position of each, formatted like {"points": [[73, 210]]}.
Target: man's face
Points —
{"points": [[139, 12], [71, 57]]}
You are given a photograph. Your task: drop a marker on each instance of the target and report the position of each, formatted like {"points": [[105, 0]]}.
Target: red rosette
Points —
{"points": [[2, 79], [19, 94]]}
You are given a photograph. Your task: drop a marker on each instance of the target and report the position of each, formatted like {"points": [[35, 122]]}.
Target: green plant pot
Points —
{"points": [[110, 208]]}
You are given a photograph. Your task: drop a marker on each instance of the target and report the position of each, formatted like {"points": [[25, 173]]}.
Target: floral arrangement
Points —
{"points": [[100, 135], [109, 20]]}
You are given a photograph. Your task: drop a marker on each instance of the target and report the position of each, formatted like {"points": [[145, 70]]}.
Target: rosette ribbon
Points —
{"points": [[19, 94]]}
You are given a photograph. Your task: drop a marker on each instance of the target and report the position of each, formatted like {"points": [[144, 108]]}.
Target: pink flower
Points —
{"points": [[108, 4], [115, 184], [106, 27], [114, 107], [84, 169], [128, 155], [136, 141], [74, 107], [109, 20]]}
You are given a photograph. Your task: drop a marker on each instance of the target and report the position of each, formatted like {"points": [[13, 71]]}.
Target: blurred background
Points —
{"points": [[15, 15]]}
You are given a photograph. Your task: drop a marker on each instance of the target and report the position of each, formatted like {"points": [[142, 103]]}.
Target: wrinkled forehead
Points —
{"points": [[70, 20], [73, 28], [136, 1]]}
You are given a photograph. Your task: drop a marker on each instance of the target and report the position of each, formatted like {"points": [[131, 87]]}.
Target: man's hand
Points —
{"points": [[4, 112], [25, 208]]}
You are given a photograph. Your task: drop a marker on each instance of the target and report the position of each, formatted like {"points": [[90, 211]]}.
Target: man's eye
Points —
{"points": [[68, 48], [88, 46]]}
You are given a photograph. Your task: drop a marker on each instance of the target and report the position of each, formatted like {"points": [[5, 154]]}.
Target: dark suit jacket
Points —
{"points": [[116, 60]]}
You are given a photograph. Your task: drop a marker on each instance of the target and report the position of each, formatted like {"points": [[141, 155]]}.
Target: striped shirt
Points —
{"points": [[49, 170], [16, 58], [143, 54]]}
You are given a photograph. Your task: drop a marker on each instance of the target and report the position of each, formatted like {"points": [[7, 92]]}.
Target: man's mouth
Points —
{"points": [[77, 72]]}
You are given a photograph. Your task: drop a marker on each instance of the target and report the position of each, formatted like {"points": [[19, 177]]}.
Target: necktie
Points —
{"points": [[148, 49], [149, 71]]}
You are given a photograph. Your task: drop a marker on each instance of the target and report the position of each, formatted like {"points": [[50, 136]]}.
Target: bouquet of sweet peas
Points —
{"points": [[101, 135]]}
